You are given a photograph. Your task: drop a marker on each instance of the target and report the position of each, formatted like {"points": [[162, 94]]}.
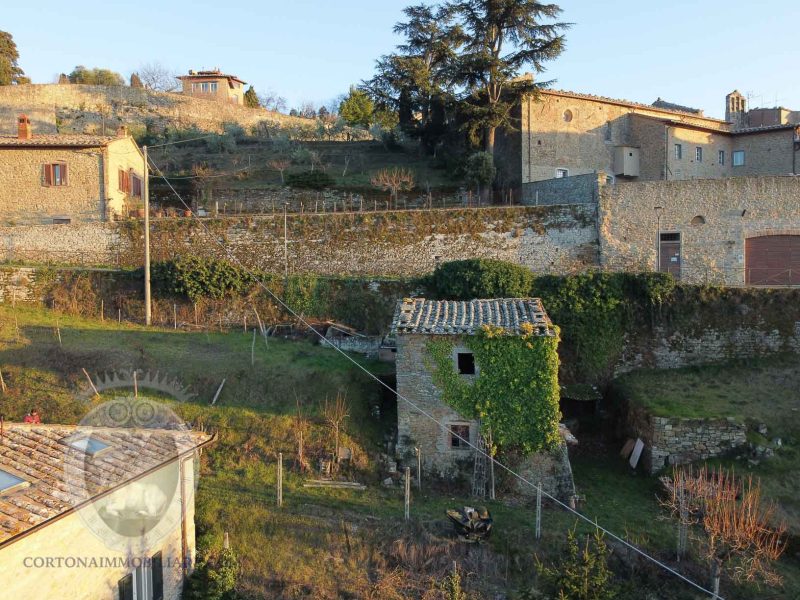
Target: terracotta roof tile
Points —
{"points": [[58, 140], [451, 317], [41, 456]]}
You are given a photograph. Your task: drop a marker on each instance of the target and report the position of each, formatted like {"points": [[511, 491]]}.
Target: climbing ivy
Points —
{"points": [[515, 393]]}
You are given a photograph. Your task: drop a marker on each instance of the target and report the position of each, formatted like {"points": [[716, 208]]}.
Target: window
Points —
{"points": [[89, 445], [214, 87], [136, 186], [678, 152], [670, 237], [698, 154], [124, 184], [55, 174], [567, 116], [459, 436], [466, 363], [158, 576], [11, 483], [722, 157], [561, 173], [738, 158], [125, 586]]}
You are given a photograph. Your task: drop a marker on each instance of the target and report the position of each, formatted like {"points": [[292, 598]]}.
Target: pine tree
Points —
{"points": [[251, 98], [357, 108], [10, 72]]}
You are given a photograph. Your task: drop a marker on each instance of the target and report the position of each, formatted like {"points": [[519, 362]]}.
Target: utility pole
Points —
{"points": [[147, 307]]}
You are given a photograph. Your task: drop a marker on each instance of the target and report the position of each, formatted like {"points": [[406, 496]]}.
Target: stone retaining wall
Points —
{"points": [[674, 441], [551, 469]]}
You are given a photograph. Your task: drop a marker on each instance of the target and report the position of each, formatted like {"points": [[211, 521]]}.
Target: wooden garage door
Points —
{"points": [[773, 260]]}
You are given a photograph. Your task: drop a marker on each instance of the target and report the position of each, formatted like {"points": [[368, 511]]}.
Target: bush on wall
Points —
{"points": [[194, 278], [480, 278]]}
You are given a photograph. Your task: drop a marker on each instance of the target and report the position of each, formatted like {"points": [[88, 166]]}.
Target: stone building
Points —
{"points": [[72, 501], [564, 134], [424, 420], [214, 85], [51, 178]]}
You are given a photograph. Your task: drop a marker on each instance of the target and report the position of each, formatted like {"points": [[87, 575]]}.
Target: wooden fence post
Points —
{"points": [[280, 479], [408, 493], [539, 511]]}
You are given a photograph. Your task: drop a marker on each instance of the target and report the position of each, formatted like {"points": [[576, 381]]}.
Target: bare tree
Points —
{"points": [[394, 181], [737, 530], [280, 165], [156, 76], [335, 413], [272, 101]]}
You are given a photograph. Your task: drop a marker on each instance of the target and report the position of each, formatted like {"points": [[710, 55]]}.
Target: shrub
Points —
{"points": [[481, 278], [311, 180], [195, 277]]}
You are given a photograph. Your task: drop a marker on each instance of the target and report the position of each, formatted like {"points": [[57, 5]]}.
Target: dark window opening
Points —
{"points": [[125, 586], [158, 576], [466, 363], [670, 237], [459, 436]]}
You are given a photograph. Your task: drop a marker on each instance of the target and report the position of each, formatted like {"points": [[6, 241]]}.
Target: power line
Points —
{"points": [[204, 137], [441, 425]]}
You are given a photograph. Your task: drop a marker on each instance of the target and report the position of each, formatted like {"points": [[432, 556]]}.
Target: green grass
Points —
{"points": [[325, 543]]}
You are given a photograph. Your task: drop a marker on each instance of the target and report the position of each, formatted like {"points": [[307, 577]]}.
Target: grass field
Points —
{"points": [[326, 543]]}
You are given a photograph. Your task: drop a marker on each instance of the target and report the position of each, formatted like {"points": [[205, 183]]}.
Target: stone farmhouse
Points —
{"points": [[52, 178], [443, 449], [563, 134], [214, 85], [71, 500]]}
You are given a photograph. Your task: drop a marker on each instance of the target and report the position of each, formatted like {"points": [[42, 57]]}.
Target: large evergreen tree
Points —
{"points": [[503, 37], [416, 81], [251, 98], [357, 108], [10, 72]]}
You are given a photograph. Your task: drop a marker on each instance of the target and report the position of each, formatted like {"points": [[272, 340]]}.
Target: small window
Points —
{"points": [[158, 576], [466, 363], [699, 220], [678, 151], [561, 173], [55, 174], [11, 483], [89, 445], [136, 186], [567, 116], [722, 157], [608, 131], [698, 154], [205, 87], [738, 158], [214, 87], [62, 220], [459, 436], [670, 237], [125, 586]]}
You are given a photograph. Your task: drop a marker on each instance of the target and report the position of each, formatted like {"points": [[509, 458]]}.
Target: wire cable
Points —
{"points": [[413, 405]]}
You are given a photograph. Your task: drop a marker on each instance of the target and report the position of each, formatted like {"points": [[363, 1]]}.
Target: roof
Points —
{"points": [[629, 103], [728, 131], [765, 128], [59, 141], [42, 458], [659, 103], [454, 317], [216, 74]]}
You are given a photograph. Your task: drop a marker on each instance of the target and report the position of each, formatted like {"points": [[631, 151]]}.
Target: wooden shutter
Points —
{"points": [[64, 176], [121, 180], [48, 174]]}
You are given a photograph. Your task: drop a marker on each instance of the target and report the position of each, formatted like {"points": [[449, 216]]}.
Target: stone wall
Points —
{"points": [[576, 189], [673, 441], [414, 429], [552, 469], [714, 217], [80, 244], [18, 284], [699, 344]]}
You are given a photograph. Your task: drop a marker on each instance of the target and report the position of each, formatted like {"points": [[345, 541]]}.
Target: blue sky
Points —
{"points": [[311, 50]]}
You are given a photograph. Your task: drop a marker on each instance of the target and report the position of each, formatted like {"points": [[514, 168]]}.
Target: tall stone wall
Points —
{"points": [[578, 189], [714, 217], [79, 244]]}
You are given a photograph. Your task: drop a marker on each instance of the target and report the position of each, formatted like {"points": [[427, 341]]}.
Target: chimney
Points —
{"points": [[122, 131], [24, 128]]}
